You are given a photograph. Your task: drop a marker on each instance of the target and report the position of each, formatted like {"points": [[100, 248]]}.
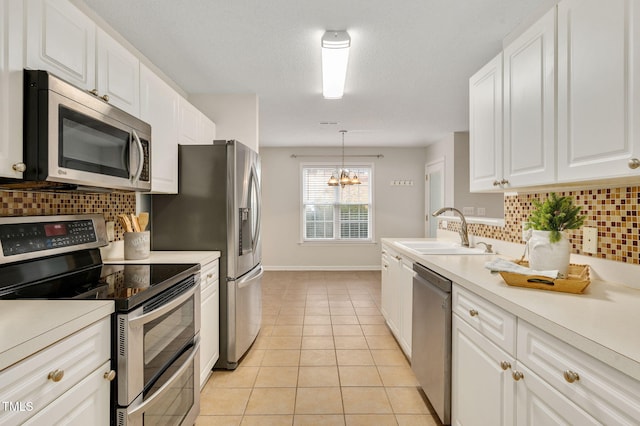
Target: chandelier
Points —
{"points": [[345, 175]]}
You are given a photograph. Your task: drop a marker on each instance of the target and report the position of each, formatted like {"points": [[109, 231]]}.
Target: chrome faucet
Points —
{"points": [[464, 235]]}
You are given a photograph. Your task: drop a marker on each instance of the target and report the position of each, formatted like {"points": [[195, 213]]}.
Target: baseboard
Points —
{"points": [[322, 268]]}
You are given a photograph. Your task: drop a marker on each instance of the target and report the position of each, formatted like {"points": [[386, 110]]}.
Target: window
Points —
{"points": [[334, 213]]}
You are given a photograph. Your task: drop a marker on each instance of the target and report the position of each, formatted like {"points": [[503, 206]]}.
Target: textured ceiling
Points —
{"points": [[407, 82]]}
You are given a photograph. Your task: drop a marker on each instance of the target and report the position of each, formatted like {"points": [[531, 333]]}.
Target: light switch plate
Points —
{"points": [[590, 240]]}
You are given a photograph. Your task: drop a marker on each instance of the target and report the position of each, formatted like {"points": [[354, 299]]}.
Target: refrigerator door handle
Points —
{"points": [[256, 237], [246, 280]]}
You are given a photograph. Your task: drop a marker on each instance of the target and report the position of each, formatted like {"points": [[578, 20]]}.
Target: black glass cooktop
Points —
{"points": [[82, 275]]}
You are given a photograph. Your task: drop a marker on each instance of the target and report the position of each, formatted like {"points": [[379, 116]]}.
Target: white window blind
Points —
{"points": [[334, 212]]}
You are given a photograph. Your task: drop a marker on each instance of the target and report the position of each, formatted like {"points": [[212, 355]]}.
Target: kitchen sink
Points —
{"points": [[438, 247]]}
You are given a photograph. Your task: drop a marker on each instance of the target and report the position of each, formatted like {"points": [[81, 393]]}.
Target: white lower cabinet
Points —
{"points": [[209, 320], [540, 381], [397, 296], [69, 381]]}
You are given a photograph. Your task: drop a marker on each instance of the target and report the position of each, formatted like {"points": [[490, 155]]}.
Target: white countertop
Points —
{"points": [[602, 321], [28, 326], [114, 253]]}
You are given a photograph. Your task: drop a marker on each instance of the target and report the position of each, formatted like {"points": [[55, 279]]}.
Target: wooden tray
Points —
{"points": [[576, 281]]}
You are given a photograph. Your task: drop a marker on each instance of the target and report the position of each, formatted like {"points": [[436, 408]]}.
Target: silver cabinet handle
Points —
{"points": [[398, 257], [105, 98], [109, 375], [56, 375], [505, 365], [571, 376], [633, 163], [19, 167], [517, 375], [94, 92], [473, 312], [504, 182], [210, 275], [496, 183]]}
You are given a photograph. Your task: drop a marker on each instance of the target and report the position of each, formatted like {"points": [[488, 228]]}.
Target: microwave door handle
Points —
{"points": [[157, 313], [136, 177], [142, 407]]}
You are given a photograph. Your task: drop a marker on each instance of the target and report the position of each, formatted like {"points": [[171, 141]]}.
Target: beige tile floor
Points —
{"points": [[324, 356]]}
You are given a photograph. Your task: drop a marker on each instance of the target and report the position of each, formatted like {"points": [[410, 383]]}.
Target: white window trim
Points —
{"points": [[333, 241]]}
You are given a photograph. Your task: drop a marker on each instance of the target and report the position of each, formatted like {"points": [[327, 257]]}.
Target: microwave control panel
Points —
{"points": [[23, 238]]}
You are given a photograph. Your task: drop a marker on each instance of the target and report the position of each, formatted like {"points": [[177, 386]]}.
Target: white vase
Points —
{"points": [[545, 255]]}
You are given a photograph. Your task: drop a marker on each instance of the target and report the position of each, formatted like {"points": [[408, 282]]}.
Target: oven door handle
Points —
{"points": [[149, 402], [157, 313]]}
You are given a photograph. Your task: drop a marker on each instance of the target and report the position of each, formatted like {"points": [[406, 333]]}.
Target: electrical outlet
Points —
{"points": [[111, 230], [526, 233], [590, 240]]}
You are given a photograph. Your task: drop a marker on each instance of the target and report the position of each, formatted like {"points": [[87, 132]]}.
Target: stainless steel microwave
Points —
{"points": [[74, 139]]}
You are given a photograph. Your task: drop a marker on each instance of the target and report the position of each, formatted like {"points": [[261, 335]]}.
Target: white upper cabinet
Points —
{"points": [[11, 64], [118, 74], [485, 127], [207, 130], [61, 39], [529, 105], [598, 95], [159, 107], [195, 127], [189, 123]]}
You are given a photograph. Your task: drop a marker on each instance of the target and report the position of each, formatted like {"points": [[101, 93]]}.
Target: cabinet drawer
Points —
{"points": [[28, 382], [87, 403], [493, 322], [209, 275], [604, 392]]}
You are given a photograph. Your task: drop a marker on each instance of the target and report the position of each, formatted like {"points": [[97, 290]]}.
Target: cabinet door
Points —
{"points": [[529, 105], [485, 127], [405, 292], [61, 39], [189, 117], [159, 108], [540, 404], [207, 132], [386, 293], [482, 392], [11, 65], [209, 321], [118, 74], [87, 403], [597, 73]]}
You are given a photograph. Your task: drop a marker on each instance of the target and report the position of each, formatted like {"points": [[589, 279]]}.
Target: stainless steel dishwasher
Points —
{"points": [[431, 338]]}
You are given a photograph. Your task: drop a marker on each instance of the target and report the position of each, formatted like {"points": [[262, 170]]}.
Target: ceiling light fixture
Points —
{"points": [[335, 57], [345, 177]]}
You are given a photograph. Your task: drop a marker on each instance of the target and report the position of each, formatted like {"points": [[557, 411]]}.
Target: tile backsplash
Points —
{"points": [[613, 211], [27, 203]]}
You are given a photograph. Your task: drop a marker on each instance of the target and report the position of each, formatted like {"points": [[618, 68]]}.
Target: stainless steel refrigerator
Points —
{"points": [[218, 208]]}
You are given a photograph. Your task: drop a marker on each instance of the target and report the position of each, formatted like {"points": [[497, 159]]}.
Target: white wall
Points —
{"points": [[455, 150], [236, 116], [398, 210]]}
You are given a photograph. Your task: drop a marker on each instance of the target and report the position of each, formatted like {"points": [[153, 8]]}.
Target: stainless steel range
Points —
{"points": [[155, 329]]}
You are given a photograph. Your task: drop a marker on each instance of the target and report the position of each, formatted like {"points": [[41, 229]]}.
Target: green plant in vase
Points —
{"points": [[555, 214], [548, 249]]}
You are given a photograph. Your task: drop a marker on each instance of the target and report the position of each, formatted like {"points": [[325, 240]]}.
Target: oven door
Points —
{"points": [[172, 400], [88, 147], [151, 336]]}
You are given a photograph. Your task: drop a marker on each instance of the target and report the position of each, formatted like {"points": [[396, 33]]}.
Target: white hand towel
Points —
{"points": [[502, 265]]}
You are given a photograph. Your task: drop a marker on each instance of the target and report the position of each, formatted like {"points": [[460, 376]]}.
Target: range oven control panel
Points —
{"points": [[21, 238]]}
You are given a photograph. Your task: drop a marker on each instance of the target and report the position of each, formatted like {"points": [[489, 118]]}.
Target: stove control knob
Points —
{"points": [[56, 375], [110, 375]]}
